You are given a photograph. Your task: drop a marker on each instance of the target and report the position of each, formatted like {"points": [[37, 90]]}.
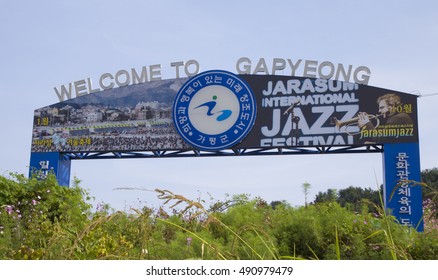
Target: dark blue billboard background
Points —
{"points": [[307, 112]]}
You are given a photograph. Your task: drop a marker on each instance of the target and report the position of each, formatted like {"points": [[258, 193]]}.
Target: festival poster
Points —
{"points": [[290, 112], [305, 112]]}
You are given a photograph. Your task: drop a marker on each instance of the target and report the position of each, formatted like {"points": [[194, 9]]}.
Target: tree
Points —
{"points": [[430, 192], [357, 198], [331, 195], [276, 203], [430, 177], [353, 198], [306, 187]]}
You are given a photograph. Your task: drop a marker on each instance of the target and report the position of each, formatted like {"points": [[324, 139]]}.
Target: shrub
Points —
{"points": [[41, 220]]}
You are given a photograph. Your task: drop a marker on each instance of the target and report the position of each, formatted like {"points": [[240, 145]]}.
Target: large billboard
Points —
{"points": [[271, 111], [218, 110]]}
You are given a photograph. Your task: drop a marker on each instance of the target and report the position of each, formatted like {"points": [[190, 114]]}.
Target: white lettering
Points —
{"points": [[331, 70], [278, 64], [293, 86], [64, 92], [310, 68], [155, 72], [325, 114], [103, 77], [346, 76], [261, 67], [323, 72], [80, 88], [245, 63], [306, 141], [90, 86], [293, 66], [143, 78], [127, 78], [267, 91], [364, 78], [177, 65], [296, 86], [275, 124], [196, 66]]}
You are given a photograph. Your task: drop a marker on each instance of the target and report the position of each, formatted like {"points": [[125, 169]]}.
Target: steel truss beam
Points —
{"points": [[227, 152]]}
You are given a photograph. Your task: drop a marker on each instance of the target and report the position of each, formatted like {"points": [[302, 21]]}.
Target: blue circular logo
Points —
{"points": [[214, 110]]}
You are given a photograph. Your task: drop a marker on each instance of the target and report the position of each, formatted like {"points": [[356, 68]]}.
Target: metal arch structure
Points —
{"points": [[400, 161], [226, 152], [272, 115]]}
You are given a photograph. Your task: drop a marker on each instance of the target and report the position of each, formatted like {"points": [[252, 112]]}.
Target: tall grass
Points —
{"points": [[199, 210], [41, 220]]}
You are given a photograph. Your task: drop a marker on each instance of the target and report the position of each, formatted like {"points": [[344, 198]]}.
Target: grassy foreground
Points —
{"points": [[41, 220]]}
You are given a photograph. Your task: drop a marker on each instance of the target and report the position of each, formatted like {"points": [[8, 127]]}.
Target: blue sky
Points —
{"points": [[49, 43]]}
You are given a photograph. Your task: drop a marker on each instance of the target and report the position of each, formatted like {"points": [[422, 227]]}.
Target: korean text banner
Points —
{"points": [[291, 112]]}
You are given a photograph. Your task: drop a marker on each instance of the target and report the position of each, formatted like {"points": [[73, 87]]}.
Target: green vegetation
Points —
{"points": [[41, 220]]}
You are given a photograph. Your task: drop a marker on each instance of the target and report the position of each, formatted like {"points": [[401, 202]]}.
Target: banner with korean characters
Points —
{"points": [[43, 164], [402, 191]]}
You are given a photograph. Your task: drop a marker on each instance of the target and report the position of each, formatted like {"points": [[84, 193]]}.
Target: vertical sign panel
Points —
{"points": [[42, 164], [403, 196]]}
